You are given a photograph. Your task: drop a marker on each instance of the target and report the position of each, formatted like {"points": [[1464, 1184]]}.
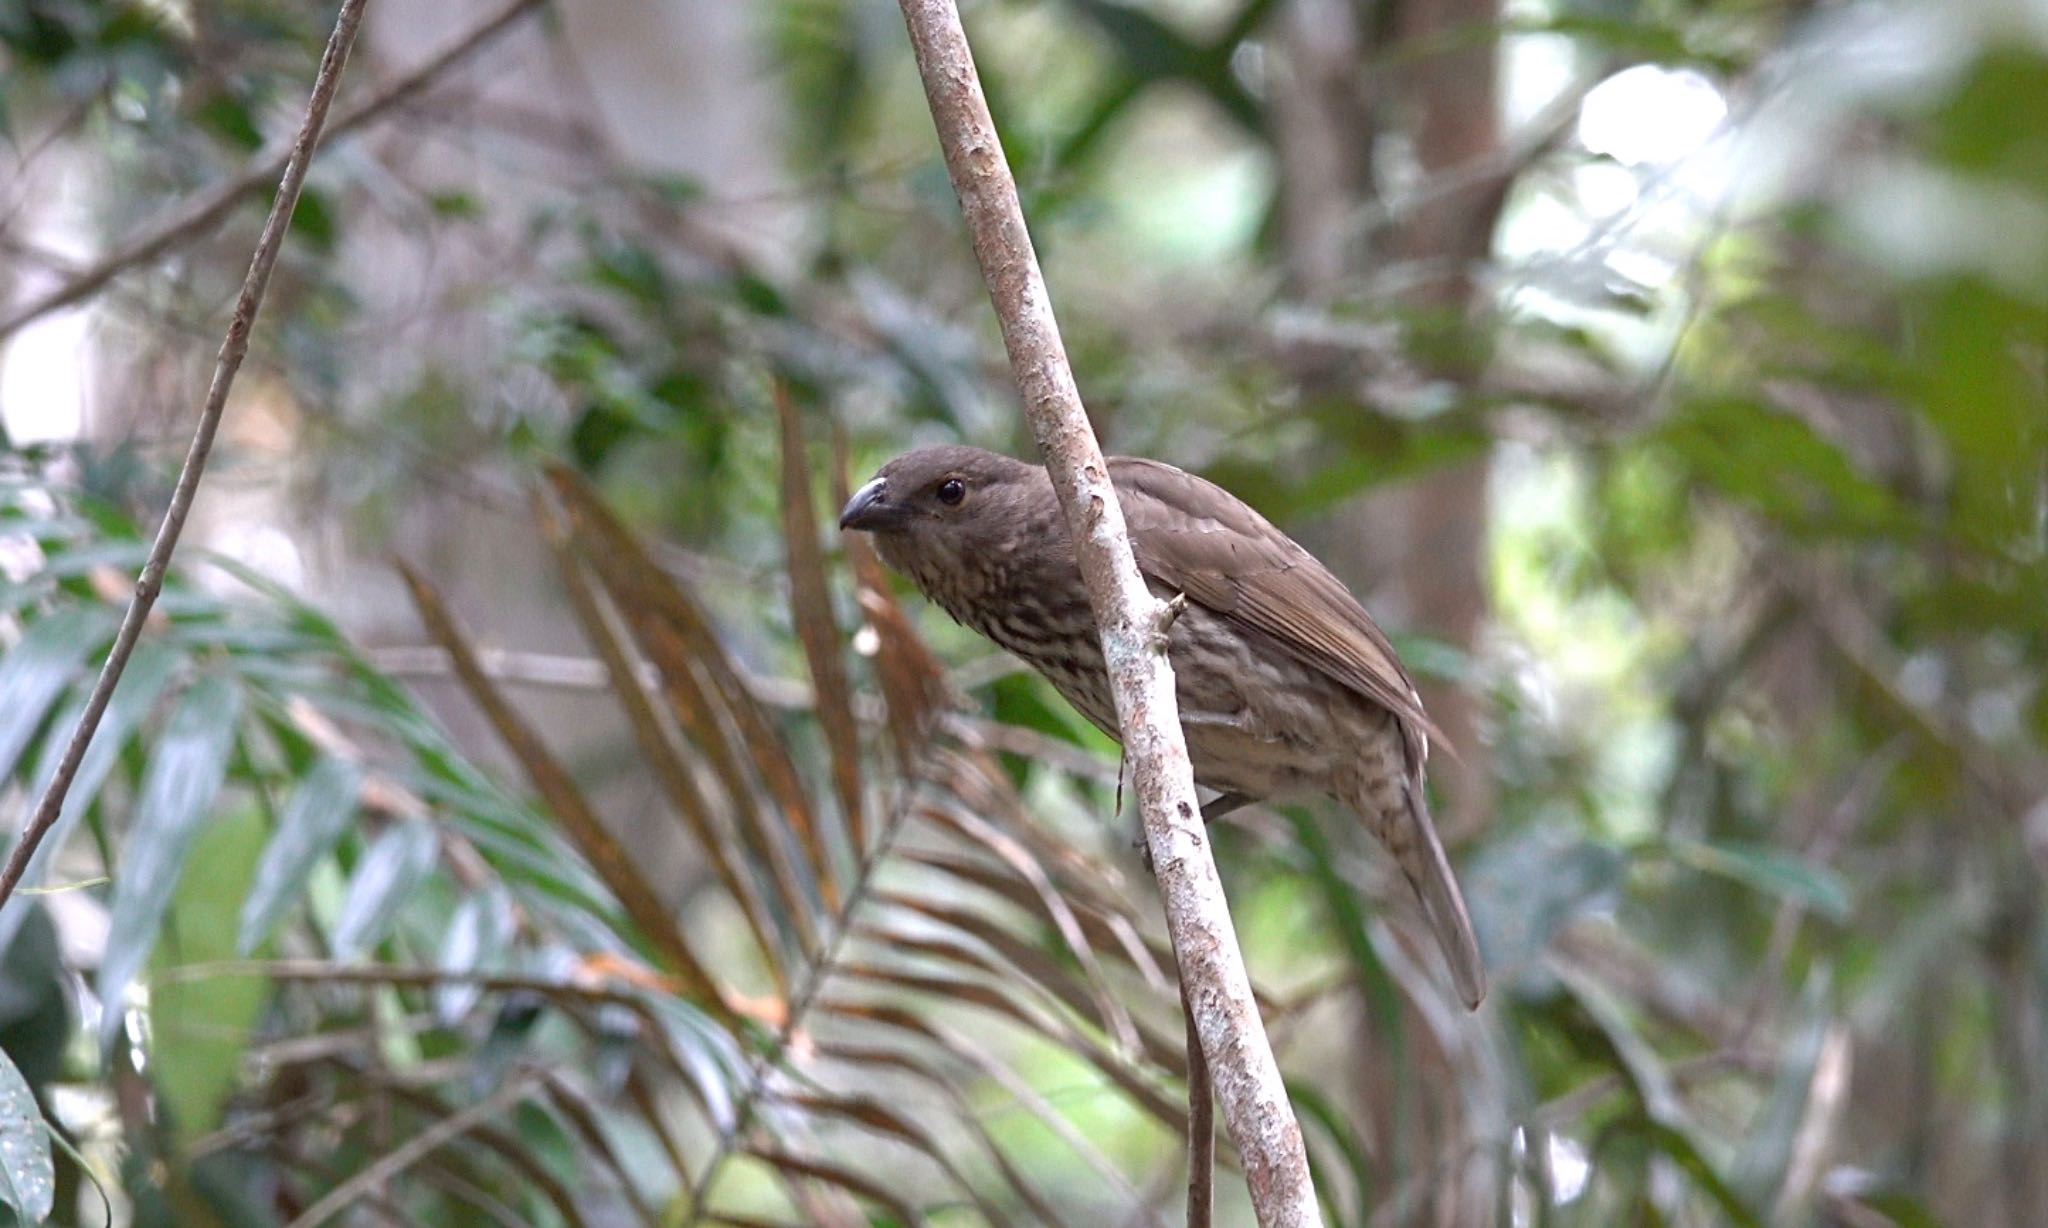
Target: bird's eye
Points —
{"points": [[951, 491]]}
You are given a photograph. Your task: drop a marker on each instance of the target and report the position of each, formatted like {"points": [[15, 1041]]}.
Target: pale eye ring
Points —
{"points": [[951, 491]]}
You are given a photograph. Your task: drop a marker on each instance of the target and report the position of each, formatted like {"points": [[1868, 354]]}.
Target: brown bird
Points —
{"points": [[1287, 688]]}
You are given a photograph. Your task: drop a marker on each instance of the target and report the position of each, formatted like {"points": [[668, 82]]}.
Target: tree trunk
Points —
{"points": [[1422, 545]]}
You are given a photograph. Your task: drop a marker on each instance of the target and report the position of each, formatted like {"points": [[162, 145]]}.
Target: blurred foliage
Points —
{"points": [[1766, 560]]}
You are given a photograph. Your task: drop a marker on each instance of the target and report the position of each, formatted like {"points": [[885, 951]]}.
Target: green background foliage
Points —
{"points": [[645, 860]]}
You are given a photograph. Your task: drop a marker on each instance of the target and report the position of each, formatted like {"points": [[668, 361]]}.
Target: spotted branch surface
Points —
{"points": [[1217, 989]]}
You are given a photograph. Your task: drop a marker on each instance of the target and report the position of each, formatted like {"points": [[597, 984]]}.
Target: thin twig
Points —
{"points": [[256, 1125], [232, 351], [1555, 1114], [1821, 848], [415, 1149], [1219, 993], [206, 210], [327, 972], [1201, 1128]]}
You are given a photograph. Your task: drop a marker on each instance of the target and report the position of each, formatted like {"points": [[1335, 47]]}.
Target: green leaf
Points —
{"points": [[1633, 37], [132, 25], [599, 429], [633, 270], [142, 684], [395, 864], [199, 1029], [1682, 1151], [85, 1167], [28, 1180], [1360, 450], [37, 669], [1902, 1207], [185, 772], [313, 221], [1154, 51], [1765, 1158], [1347, 913], [1772, 871], [759, 295], [1614, 1041], [1317, 1109], [318, 812], [1777, 464], [1531, 883], [1978, 129], [459, 205], [1983, 394], [478, 936], [1028, 701], [229, 118], [1345, 906]]}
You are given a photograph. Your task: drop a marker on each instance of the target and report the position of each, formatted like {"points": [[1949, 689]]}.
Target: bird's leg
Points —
{"points": [[1169, 614], [1222, 804]]}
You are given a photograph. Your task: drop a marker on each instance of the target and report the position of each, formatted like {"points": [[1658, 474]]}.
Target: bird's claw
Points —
{"points": [[1169, 614]]}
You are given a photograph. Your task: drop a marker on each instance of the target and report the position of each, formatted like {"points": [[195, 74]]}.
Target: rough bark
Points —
{"points": [[1455, 96]]}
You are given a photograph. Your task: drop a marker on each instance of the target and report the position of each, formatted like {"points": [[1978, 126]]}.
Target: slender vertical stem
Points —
{"points": [[232, 351], [1216, 989], [1201, 1129]]}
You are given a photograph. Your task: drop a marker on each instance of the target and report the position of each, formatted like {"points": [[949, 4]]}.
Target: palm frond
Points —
{"points": [[886, 918]]}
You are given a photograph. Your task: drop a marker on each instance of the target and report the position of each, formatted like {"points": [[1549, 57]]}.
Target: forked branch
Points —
{"points": [[1217, 990]]}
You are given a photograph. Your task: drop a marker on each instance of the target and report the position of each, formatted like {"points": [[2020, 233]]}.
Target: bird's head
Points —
{"points": [[951, 514]]}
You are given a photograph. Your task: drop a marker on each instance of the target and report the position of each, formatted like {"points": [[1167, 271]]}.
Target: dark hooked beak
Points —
{"points": [[870, 509]]}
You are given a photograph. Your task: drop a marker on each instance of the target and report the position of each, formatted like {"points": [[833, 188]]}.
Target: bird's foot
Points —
{"points": [[1169, 614]]}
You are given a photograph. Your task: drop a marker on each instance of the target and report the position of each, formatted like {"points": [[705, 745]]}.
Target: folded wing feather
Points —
{"points": [[1194, 537]]}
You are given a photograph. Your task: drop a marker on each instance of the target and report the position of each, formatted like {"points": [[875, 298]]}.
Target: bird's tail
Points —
{"points": [[1403, 825]]}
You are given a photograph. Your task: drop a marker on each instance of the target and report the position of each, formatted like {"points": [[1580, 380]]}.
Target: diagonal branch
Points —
{"points": [[206, 210], [412, 1151], [232, 351], [1219, 994]]}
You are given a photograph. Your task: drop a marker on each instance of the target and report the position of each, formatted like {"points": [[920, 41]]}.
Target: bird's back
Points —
{"points": [[1286, 687], [1286, 684], [1192, 536]]}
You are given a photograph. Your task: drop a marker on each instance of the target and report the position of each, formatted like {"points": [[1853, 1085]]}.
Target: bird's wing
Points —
{"points": [[1193, 536]]}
